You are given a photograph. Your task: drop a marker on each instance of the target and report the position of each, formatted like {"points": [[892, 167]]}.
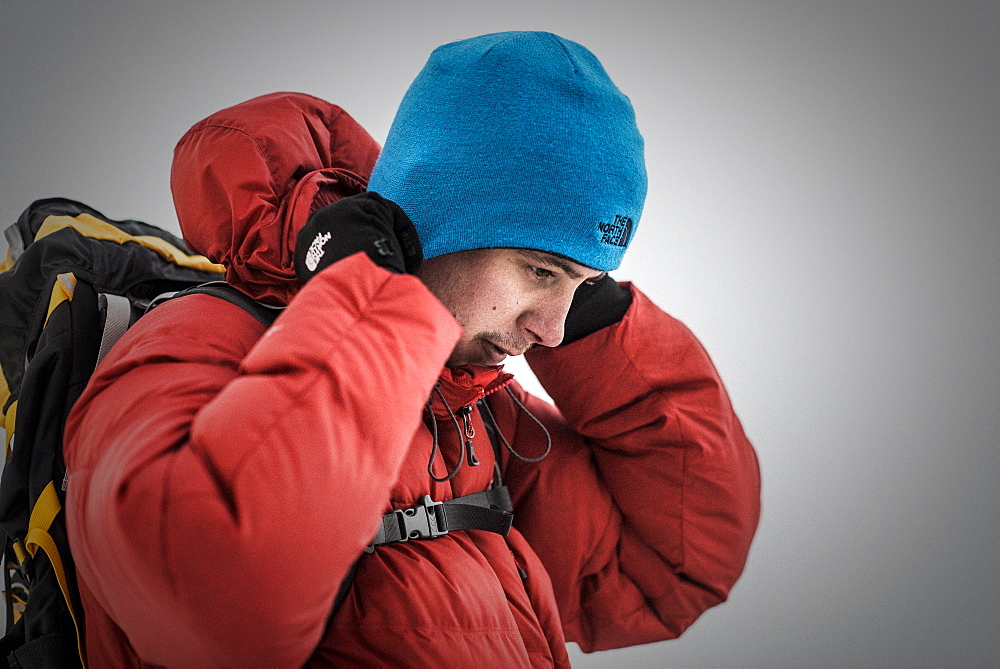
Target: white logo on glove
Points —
{"points": [[315, 252]]}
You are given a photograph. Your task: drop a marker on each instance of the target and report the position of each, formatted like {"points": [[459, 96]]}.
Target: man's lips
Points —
{"points": [[501, 352], [494, 354]]}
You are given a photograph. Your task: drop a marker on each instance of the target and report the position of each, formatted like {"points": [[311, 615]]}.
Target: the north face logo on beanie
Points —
{"points": [[618, 232]]}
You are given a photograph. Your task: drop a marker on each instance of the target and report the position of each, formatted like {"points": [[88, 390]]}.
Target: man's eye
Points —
{"points": [[542, 273]]}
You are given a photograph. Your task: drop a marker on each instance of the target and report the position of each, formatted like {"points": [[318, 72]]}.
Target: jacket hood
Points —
{"points": [[245, 179]]}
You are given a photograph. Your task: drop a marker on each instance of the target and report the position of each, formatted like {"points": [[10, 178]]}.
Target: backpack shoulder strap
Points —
{"points": [[264, 313]]}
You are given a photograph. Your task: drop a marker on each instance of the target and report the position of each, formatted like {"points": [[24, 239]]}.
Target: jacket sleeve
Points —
{"points": [[644, 511], [219, 493]]}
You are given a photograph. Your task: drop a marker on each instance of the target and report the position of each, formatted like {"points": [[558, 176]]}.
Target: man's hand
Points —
{"points": [[366, 222], [596, 305]]}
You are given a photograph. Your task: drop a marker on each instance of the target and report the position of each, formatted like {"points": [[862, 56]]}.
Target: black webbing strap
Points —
{"points": [[264, 313], [489, 511]]}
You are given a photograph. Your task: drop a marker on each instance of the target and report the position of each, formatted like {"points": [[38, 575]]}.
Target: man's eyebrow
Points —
{"points": [[561, 264]]}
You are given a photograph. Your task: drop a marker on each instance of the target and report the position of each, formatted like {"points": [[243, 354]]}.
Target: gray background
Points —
{"points": [[823, 213]]}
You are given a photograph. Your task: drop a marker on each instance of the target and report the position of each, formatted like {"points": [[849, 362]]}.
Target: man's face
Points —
{"points": [[506, 300]]}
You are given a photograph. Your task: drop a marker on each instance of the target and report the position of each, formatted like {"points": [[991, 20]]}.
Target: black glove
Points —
{"points": [[365, 222], [595, 305]]}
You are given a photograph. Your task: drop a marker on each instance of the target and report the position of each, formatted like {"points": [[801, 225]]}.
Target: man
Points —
{"points": [[227, 481]]}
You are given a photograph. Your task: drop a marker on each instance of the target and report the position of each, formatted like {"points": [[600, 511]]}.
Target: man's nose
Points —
{"points": [[546, 321]]}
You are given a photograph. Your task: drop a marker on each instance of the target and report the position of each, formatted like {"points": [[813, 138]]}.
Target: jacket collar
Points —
{"points": [[461, 386]]}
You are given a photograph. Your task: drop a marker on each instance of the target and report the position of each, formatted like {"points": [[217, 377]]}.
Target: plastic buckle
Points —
{"points": [[421, 521], [23, 559]]}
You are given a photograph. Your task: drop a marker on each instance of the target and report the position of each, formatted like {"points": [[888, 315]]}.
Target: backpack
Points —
{"points": [[73, 282]]}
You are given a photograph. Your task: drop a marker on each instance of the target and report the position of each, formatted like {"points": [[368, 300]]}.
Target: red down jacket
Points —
{"points": [[224, 479]]}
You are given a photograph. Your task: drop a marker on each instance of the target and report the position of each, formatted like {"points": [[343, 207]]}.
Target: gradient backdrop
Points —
{"points": [[824, 213]]}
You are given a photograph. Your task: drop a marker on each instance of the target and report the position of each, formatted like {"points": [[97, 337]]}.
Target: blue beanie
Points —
{"points": [[516, 139]]}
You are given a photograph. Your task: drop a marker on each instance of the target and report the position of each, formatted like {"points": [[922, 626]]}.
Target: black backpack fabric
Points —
{"points": [[73, 282]]}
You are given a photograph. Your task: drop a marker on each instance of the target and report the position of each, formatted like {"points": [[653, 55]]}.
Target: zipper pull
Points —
{"points": [[470, 432]]}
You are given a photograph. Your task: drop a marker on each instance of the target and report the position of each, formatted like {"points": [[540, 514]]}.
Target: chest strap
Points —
{"points": [[490, 510]]}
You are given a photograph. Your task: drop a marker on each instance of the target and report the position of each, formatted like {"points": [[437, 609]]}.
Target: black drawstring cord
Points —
{"points": [[491, 430], [434, 434], [503, 440], [434, 447], [484, 406]]}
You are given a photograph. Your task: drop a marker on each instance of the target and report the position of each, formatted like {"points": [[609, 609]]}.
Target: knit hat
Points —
{"points": [[516, 139]]}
